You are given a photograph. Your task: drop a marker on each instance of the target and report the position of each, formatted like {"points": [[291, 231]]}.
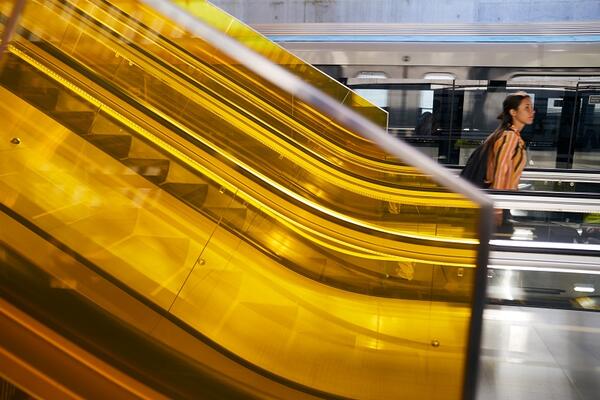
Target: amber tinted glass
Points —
{"points": [[190, 192], [241, 32]]}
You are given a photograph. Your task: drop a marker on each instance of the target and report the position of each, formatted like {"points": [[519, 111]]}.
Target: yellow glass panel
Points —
{"points": [[332, 340], [319, 230], [241, 32], [226, 120], [304, 124], [223, 206], [87, 200], [146, 259]]}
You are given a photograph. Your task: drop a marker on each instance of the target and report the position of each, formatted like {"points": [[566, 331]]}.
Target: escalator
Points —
{"points": [[234, 293], [321, 300], [136, 155]]}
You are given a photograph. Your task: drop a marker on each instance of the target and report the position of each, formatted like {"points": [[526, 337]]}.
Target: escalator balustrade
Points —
{"points": [[197, 99], [219, 247]]}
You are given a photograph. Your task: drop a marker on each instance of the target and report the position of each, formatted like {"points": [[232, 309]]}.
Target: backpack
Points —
{"points": [[475, 169]]}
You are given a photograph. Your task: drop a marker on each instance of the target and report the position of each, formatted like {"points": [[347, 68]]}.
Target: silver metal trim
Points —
{"points": [[464, 60], [548, 245], [561, 176], [542, 262], [553, 203], [391, 29], [533, 175]]}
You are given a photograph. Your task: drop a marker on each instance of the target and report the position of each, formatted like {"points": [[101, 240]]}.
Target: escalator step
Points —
{"points": [[79, 122], [155, 170], [192, 193], [44, 99], [116, 145]]}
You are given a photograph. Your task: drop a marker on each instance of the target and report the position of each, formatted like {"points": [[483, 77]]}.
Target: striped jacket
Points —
{"points": [[506, 161]]}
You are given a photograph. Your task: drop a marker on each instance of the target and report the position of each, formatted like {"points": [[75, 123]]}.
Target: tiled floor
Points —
{"points": [[536, 353]]}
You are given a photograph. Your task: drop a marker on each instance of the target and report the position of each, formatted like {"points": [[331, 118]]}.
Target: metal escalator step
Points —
{"points": [[43, 98], [116, 145], [192, 193], [79, 122], [10, 75], [155, 170]]}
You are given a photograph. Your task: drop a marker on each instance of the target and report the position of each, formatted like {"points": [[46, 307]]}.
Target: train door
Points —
{"points": [[586, 129], [448, 107]]}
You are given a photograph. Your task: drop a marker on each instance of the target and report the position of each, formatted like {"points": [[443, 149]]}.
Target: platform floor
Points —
{"points": [[539, 354]]}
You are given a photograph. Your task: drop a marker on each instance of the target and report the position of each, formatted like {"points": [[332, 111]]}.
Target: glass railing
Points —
{"points": [[221, 123], [121, 138], [223, 286], [218, 19], [174, 191], [285, 115], [82, 316]]}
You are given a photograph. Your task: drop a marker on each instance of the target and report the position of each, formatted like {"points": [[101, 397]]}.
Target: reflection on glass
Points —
{"points": [[220, 20], [587, 139], [207, 198]]}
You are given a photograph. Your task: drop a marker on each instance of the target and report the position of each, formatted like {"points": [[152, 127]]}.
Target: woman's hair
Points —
{"points": [[511, 102]]}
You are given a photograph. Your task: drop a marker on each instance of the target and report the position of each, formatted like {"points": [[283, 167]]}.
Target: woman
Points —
{"points": [[507, 156]]}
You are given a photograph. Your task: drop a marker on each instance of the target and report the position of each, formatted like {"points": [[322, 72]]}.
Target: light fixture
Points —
{"points": [[578, 287]]}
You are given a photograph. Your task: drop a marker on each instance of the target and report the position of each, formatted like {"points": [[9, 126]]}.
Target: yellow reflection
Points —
{"points": [[373, 227], [269, 156], [367, 344], [275, 53]]}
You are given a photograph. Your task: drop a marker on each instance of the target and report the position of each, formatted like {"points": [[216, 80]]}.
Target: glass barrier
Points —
{"points": [[587, 128], [557, 289], [137, 157], [559, 185], [281, 111], [140, 235], [539, 226], [352, 342], [45, 284], [202, 207], [218, 119], [241, 32]]}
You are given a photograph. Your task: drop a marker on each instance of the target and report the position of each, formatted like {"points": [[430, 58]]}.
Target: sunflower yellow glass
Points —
{"points": [[241, 32], [277, 232]]}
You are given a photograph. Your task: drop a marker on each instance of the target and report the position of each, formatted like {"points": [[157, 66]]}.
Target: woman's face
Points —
{"points": [[524, 113]]}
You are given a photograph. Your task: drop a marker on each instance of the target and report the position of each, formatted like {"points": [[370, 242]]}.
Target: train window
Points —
{"points": [[587, 128], [554, 78], [379, 97], [447, 119], [439, 76], [426, 101], [554, 105], [372, 75]]}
